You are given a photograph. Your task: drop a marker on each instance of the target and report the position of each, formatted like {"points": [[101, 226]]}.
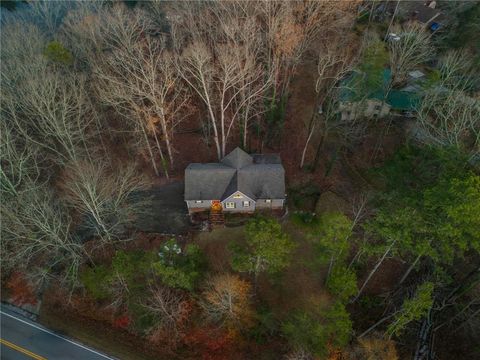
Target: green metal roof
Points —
{"points": [[351, 90]]}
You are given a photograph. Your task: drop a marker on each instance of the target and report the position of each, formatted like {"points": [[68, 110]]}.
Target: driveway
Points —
{"points": [[23, 339], [165, 211]]}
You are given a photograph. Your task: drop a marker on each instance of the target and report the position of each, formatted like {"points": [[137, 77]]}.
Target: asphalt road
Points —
{"points": [[23, 339]]}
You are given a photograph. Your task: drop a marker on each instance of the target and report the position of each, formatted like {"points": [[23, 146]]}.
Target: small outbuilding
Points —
{"points": [[238, 183]]}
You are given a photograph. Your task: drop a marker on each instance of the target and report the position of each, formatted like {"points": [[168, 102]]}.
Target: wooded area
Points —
{"points": [[376, 118]]}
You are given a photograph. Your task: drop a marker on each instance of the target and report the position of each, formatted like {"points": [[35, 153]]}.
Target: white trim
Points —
{"points": [[246, 202], [239, 192], [230, 205]]}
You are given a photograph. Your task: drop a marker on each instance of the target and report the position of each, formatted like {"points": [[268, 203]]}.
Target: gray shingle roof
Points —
{"points": [[258, 176], [207, 181], [237, 159]]}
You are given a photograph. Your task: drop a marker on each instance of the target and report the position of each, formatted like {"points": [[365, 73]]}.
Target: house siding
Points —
{"points": [[193, 206], [275, 204], [259, 204], [365, 108]]}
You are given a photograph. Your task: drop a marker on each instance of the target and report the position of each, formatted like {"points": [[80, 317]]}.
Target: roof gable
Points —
{"points": [[233, 197], [237, 159]]}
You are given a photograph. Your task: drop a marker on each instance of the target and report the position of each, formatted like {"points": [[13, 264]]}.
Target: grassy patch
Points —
{"points": [[214, 245]]}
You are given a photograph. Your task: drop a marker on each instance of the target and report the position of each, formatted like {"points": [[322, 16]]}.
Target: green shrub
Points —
{"points": [[56, 52], [96, 281], [342, 283], [305, 332], [265, 326], [304, 219], [313, 331]]}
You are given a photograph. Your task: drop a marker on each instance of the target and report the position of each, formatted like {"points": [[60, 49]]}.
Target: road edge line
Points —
{"points": [[58, 336]]}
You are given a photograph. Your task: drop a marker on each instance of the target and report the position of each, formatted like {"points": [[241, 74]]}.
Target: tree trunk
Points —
{"points": [[374, 270], [393, 18], [167, 136], [302, 161], [164, 163], [330, 266], [381, 321], [150, 152], [409, 270], [319, 151]]}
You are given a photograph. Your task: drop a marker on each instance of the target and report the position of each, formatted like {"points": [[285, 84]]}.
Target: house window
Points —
{"points": [[237, 196], [198, 201], [246, 203], [268, 201], [230, 205]]}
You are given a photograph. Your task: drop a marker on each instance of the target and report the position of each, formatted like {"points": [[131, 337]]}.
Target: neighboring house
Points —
{"points": [[366, 108], [420, 11], [356, 102], [239, 183], [426, 14]]}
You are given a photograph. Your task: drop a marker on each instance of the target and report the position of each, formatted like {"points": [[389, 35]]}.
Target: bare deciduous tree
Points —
{"points": [[333, 64], [102, 196], [48, 15], [80, 31], [226, 300], [45, 104], [137, 77], [225, 80], [457, 70], [36, 236], [20, 162], [450, 118], [239, 56], [53, 112], [171, 308], [290, 27], [412, 49]]}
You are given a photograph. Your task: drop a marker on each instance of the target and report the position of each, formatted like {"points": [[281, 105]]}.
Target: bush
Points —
{"points": [[305, 332], [96, 281], [315, 331], [266, 325], [342, 283], [131, 268], [56, 52], [304, 219]]}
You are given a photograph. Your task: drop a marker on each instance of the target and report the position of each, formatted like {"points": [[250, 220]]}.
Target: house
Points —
{"points": [[366, 108], [238, 183], [357, 102], [426, 14], [422, 12]]}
